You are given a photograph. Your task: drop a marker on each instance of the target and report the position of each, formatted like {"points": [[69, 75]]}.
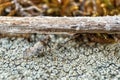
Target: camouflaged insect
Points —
{"points": [[38, 49]]}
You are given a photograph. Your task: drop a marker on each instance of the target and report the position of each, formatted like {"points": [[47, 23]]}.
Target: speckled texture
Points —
{"points": [[72, 62]]}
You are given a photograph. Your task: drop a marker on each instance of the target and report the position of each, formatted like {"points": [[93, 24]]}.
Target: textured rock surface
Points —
{"points": [[74, 61]]}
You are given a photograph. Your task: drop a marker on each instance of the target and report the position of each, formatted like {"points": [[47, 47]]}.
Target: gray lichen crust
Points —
{"points": [[73, 61]]}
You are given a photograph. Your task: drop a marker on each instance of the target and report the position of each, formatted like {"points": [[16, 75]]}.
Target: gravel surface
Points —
{"points": [[73, 61]]}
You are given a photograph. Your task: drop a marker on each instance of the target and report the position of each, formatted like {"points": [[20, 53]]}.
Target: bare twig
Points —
{"points": [[60, 25]]}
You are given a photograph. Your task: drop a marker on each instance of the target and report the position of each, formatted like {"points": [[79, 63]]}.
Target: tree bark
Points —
{"points": [[60, 25]]}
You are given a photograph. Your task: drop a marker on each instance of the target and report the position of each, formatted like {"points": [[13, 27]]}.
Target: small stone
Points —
{"points": [[55, 71], [19, 68], [17, 63], [4, 75], [63, 78], [86, 53], [11, 64], [74, 73], [11, 78], [37, 76], [14, 72], [79, 71], [34, 72], [1, 71], [73, 78], [5, 65], [29, 78], [71, 72], [6, 57], [66, 67], [5, 41], [53, 39], [13, 58], [41, 71], [36, 67], [45, 76], [23, 64], [27, 73], [27, 66], [63, 74], [95, 50]]}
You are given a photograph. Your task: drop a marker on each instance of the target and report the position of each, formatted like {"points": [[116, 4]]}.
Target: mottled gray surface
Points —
{"points": [[74, 61]]}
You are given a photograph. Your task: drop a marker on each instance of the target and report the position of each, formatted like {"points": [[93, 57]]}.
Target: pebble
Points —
{"points": [[29, 78], [74, 73], [19, 68], [71, 64], [27, 73], [55, 71], [34, 72], [73, 78], [14, 72], [37, 75], [27, 66], [23, 64], [4, 75], [36, 68], [12, 57], [5, 65], [45, 76], [66, 67], [63, 78]]}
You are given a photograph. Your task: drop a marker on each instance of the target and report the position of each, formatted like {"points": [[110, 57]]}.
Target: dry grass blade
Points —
{"points": [[62, 7]]}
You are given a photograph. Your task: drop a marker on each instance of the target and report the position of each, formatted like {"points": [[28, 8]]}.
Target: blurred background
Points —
{"points": [[59, 7]]}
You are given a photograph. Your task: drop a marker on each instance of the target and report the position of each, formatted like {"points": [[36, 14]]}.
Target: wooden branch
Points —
{"points": [[60, 25]]}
